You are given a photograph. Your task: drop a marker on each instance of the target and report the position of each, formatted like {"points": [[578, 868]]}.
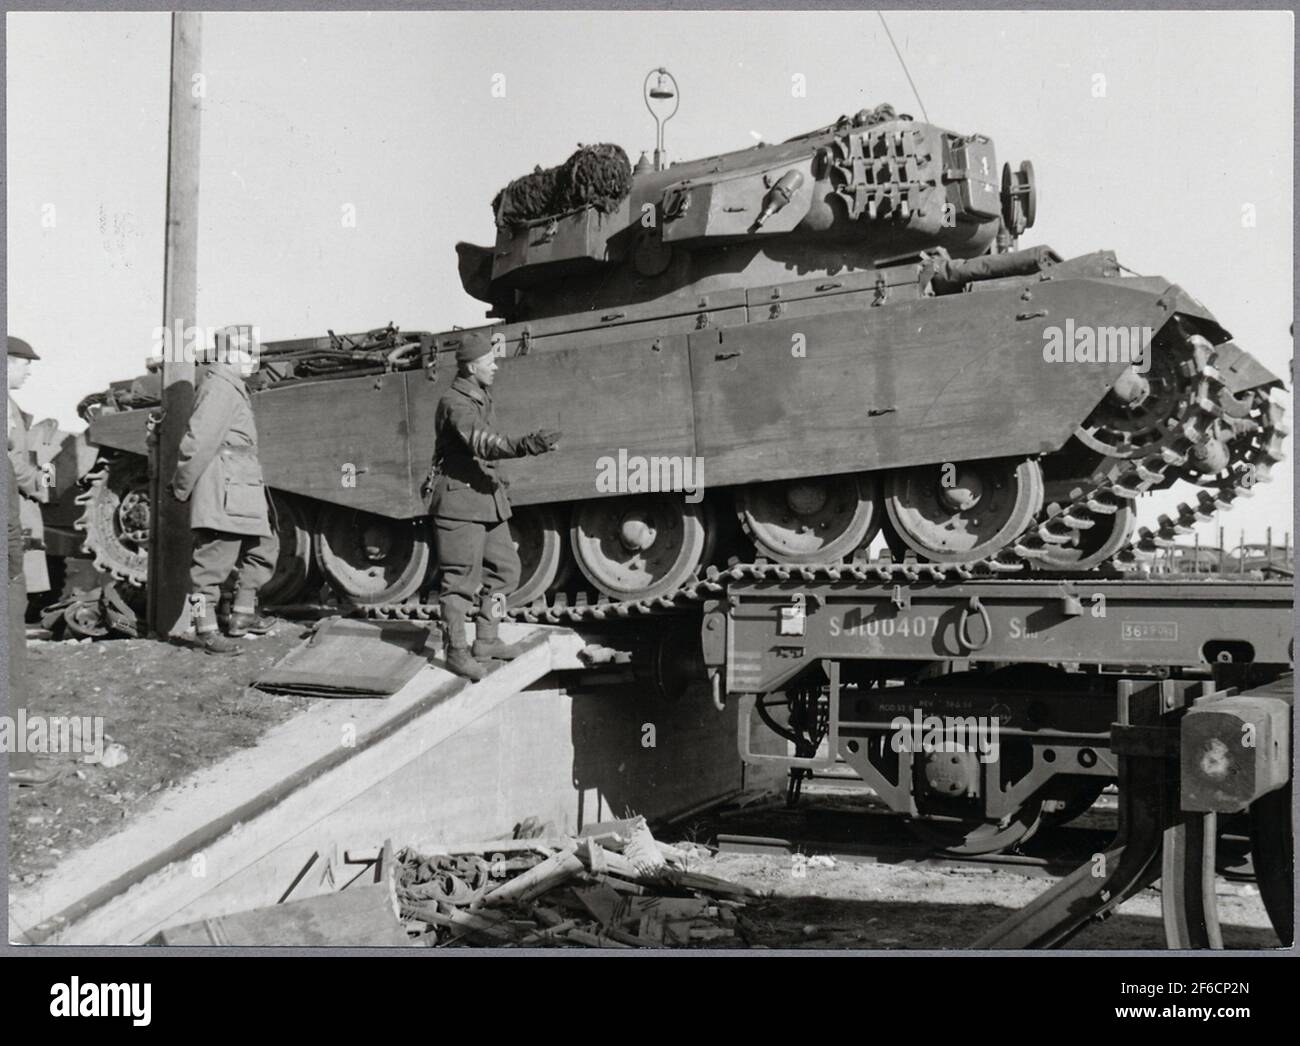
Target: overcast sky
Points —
{"points": [[1151, 134]]}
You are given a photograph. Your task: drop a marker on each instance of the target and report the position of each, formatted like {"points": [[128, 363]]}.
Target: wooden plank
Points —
{"points": [[354, 658], [362, 917], [557, 869]]}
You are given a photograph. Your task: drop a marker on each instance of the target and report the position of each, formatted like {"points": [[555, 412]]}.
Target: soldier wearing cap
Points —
{"points": [[218, 473], [471, 510], [31, 484], [32, 481]]}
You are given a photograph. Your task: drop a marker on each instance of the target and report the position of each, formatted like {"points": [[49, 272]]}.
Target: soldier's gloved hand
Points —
{"points": [[541, 441], [172, 493]]}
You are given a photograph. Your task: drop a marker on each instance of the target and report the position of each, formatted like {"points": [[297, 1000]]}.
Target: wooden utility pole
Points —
{"points": [[170, 542]]}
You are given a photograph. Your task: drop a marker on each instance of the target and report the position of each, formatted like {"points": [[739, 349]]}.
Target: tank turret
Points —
{"points": [[869, 190]]}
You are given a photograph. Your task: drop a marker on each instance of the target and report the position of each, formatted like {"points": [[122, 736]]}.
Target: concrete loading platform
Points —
{"points": [[440, 760]]}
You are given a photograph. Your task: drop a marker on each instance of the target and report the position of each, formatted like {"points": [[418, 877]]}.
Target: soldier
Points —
{"points": [[470, 509], [217, 470], [33, 482], [24, 768]]}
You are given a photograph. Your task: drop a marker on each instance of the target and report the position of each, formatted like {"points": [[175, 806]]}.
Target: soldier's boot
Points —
{"points": [[487, 639], [456, 650], [223, 609], [215, 643], [206, 634], [246, 621]]}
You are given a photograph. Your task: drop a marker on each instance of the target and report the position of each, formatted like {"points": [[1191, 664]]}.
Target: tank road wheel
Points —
{"points": [[371, 559], [544, 562], [1091, 547], [117, 517], [959, 512], [816, 520], [640, 546], [291, 520]]}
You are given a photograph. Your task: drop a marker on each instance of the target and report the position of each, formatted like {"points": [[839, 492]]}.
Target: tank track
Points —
{"points": [[1253, 432], [126, 568], [1253, 429]]}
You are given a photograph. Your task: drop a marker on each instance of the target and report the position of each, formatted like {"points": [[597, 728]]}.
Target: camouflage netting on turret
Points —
{"points": [[597, 176], [882, 113]]}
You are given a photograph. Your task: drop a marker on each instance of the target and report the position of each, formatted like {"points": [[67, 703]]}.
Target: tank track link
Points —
{"points": [[562, 610], [1252, 428], [117, 563]]}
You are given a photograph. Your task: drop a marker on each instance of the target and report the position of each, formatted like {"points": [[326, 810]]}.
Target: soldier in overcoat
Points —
{"points": [[218, 473], [33, 481], [28, 485]]}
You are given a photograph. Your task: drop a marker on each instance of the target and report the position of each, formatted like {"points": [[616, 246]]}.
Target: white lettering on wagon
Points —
{"points": [[1150, 631], [913, 626]]}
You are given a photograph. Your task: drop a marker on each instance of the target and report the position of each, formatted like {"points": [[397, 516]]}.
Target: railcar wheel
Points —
{"points": [[639, 546], [956, 513], [815, 520], [544, 562], [371, 559], [1272, 847], [969, 838], [1093, 546]]}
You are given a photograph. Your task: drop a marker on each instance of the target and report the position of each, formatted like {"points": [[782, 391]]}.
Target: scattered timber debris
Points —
{"points": [[614, 886]]}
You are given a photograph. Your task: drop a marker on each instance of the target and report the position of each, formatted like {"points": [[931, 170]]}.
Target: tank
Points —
{"points": [[778, 353]]}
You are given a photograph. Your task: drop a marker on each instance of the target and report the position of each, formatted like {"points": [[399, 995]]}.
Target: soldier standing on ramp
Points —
{"points": [[470, 509], [218, 470]]}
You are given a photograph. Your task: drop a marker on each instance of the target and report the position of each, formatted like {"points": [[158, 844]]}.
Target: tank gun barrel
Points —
{"points": [[955, 273]]}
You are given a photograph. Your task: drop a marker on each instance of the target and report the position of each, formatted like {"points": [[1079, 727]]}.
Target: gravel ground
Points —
{"points": [[881, 906], [173, 708]]}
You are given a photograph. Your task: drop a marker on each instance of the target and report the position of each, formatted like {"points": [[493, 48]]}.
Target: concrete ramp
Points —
{"points": [[440, 760]]}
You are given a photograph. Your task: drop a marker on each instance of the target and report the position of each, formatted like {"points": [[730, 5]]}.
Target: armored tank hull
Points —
{"points": [[777, 353]]}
